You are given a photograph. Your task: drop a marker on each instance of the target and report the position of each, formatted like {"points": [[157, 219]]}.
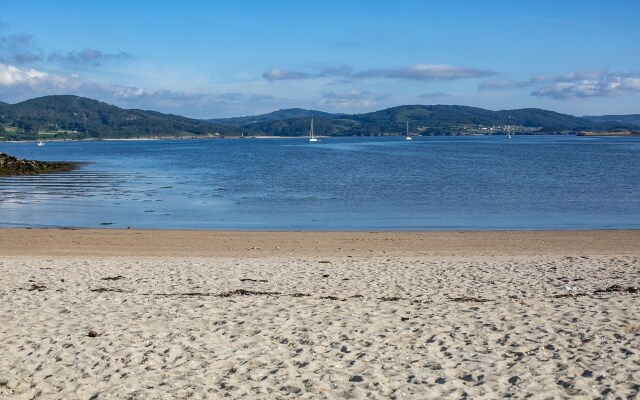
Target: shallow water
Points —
{"points": [[544, 182]]}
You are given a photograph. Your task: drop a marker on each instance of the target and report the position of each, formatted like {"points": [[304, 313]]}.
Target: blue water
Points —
{"points": [[441, 183]]}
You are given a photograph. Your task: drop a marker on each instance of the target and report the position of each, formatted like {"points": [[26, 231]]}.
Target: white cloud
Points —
{"points": [[590, 84], [14, 77]]}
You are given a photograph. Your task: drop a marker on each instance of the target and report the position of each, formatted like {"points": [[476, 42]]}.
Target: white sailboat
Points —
{"points": [[408, 137], [509, 132], [40, 141], [312, 135]]}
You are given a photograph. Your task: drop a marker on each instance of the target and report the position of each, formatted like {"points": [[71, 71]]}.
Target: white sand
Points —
{"points": [[331, 326]]}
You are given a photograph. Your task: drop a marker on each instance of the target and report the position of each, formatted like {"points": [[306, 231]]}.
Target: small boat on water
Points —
{"points": [[408, 137], [312, 135]]}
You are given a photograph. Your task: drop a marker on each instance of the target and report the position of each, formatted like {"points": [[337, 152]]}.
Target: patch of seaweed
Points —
{"points": [[390, 298], [102, 290], [300, 295], [245, 292], [617, 289], [331, 298], [469, 300], [37, 287], [567, 295], [112, 278]]}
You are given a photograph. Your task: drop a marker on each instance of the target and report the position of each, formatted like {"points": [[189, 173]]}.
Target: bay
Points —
{"points": [[430, 183]]}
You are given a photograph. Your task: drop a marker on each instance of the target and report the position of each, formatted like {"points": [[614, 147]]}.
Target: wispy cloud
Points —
{"points": [[19, 49], [256, 98], [348, 99], [434, 95], [22, 49], [88, 56], [275, 74], [426, 72], [342, 71], [498, 84], [230, 96], [419, 72]]}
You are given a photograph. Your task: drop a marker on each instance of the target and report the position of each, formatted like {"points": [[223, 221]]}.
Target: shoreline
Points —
{"points": [[221, 137], [105, 242], [609, 134]]}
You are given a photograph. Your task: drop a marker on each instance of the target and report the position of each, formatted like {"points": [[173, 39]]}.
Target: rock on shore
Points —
{"points": [[10, 165]]}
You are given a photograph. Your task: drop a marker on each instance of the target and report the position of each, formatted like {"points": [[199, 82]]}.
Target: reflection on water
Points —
{"points": [[349, 183]]}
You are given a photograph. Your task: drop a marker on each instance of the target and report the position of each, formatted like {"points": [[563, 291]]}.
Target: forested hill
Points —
{"points": [[289, 113], [82, 118], [625, 119], [434, 120], [72, 117]]}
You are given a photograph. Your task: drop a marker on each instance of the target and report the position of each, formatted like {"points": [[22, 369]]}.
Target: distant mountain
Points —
{"points": [[626, 119], [76, 117], [81, 118], [432, 120], [289, 113]]}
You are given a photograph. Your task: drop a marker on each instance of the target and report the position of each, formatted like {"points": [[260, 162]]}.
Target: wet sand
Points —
{"points": [[157, 314], [240, 244]]}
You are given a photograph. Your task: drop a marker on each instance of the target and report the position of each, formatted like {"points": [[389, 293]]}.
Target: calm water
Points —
{"points": [[550, 182]]}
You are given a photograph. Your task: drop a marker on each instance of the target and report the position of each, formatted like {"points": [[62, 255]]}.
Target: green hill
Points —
{"points": [[289, 113], [81, 118], [624, 119], [76, 117], [430, 120]]}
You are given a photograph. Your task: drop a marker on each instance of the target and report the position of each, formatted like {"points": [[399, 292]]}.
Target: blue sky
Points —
{"points": [[210, 59]]}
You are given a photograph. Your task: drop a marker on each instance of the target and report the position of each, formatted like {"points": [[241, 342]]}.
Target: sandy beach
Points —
{"points": [[93, 314]]}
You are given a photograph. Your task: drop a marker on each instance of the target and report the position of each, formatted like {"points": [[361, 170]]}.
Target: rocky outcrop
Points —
{"points": [[14, 166], [609, 133]]}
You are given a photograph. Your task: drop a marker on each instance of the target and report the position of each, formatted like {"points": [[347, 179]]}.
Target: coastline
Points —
{"points": [[609, 134], [157, 138], [303, 136], [93, 313], [65, 242]]}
